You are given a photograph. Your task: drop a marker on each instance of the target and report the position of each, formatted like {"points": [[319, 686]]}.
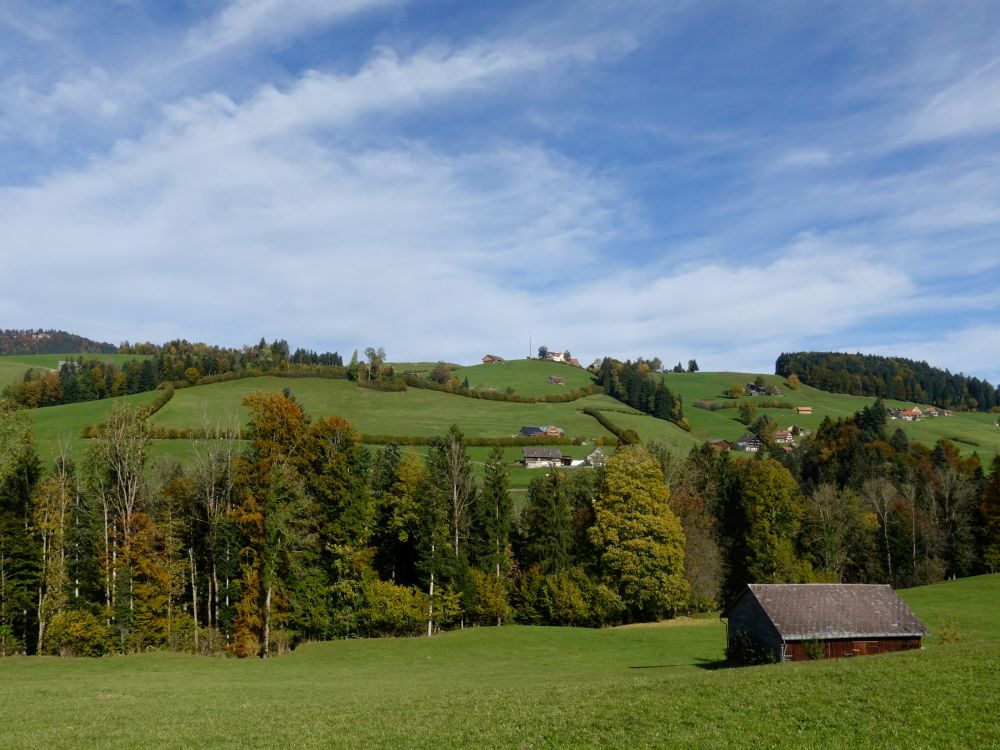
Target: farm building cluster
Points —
{"points": [[915, 413], [752, 443], [553, 458]]}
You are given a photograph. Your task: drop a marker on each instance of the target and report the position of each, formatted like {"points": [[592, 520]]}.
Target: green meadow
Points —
{"points": [[415, 411], [423, 413], [529, 377], [518, 686]]}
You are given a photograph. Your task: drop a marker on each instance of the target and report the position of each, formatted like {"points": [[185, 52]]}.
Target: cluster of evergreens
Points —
{"points": [[178, 362], [641, 387], [39, 341], [82, 380], [850, 504], [888, 377], [304, 533]]}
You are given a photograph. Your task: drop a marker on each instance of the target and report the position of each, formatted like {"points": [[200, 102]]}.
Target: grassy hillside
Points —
{"points": [[524, 687], [971, 431], [53, 425], [526, 376], [424, 413], [411, 412]]}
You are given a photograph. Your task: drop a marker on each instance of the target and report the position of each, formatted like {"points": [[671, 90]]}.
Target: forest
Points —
{"points": [[888, 377], [48, 341], [178, 362], [304, 533], [640, 386]]}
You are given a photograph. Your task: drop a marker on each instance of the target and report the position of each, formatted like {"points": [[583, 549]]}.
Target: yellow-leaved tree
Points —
{"points": [[639, 539]]}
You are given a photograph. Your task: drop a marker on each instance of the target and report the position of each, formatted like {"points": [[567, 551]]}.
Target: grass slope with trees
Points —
{"points": [[521, 686]]}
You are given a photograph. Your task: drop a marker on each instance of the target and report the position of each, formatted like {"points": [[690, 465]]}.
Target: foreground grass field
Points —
{"points": [[526, 687]]}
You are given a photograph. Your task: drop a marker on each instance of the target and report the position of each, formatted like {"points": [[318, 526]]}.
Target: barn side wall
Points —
{"points": [[840, 648], [748, 617]]}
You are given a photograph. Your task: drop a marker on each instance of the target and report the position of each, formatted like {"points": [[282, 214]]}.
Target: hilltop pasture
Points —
{"points": [[519, 686], [529, 377]]}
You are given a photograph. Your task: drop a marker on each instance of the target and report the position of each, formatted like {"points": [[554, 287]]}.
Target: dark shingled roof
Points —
{"points": [[542, 453], [805, 611]]}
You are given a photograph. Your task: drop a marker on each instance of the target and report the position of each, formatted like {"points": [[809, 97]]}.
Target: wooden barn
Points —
{"points": [[799, 621]]}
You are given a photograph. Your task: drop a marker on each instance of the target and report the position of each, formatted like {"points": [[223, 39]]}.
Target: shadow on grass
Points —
{"points": [[700, 664]]}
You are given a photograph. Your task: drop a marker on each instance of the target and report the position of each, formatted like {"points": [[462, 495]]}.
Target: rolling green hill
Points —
{"points": [[424, 413], [412, 412], [529, 377], [518, 686]]}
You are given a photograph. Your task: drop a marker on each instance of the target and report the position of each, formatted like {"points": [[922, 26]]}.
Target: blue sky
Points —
{"points": [[724, 181]]}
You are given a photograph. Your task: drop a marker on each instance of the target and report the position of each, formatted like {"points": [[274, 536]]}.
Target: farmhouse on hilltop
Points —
{"points": [[546, 431], [489, 359], [799, 621]]}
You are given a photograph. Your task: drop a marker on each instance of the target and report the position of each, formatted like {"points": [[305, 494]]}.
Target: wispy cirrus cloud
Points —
{"points": [[243, 22]]}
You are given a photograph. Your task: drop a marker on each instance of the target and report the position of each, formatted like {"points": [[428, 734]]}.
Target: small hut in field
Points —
{"points": [[795, 622]]}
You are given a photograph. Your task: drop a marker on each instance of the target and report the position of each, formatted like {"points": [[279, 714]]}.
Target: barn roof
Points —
{"points": [[542, 453], [806, 611]]}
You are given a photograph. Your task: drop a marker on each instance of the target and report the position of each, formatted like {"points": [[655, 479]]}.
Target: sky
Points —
{"points": [[722, 181]]}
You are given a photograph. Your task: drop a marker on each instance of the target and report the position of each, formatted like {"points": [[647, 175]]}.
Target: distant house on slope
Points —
{"points": [[798, 621], [783, 437], [804, 409], [537, 458], [912, 414], [546, 431], [750, 443], [596, 457], [722, 445], [490, 359]]}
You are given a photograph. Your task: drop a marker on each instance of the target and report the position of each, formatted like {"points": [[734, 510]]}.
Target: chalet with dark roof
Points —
{"points": [[797, 621], [489, 359], [537, 458], [749, 442]]}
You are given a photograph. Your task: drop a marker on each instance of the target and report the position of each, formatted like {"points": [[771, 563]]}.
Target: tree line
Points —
{"points": [[641, 387], [49, 341], [852, 503], [889, 377], [302, 532], [179, 362]]}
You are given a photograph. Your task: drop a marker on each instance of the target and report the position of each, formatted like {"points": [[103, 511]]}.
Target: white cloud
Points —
{"points": [[970, 106], [272, 217], [243, 22]]}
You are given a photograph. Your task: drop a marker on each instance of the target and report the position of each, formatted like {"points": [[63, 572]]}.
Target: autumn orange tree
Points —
{"points": [[273, 512]]}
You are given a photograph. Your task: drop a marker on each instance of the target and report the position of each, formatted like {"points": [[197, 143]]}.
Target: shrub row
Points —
{"points": [[390, 385], [331, 372], [713, 405], [415, 381], [96, 430], [774, 404], [625, 437]]}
